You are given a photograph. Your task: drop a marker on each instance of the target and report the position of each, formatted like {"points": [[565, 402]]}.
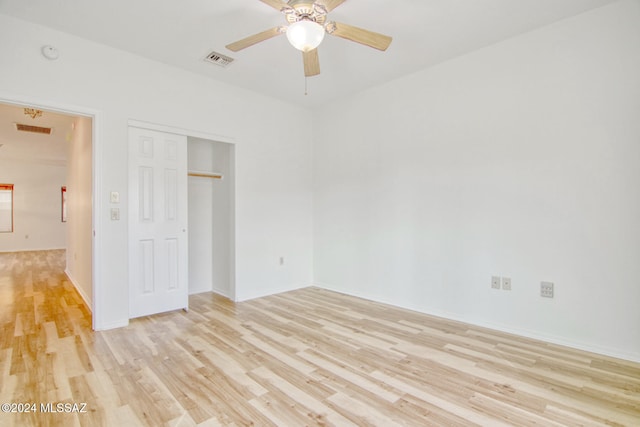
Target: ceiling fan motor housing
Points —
{"points": [[299, 10]]}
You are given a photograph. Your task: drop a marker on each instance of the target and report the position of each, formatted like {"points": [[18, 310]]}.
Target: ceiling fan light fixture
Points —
{"points": [[305, 35]]}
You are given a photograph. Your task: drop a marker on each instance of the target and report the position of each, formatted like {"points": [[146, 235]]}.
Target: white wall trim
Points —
{"points": [[96, 116], [497, 327], [181, 131], [271, 291], [232, 172], [8, 251], [112, 325], [222, 293], [82, 293], [19, 101]]}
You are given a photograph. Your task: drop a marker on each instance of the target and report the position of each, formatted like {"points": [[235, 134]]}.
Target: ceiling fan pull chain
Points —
{"points": [[305, 85]]}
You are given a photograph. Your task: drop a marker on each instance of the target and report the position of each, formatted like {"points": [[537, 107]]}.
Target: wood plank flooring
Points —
{"points": [[303, 358]]}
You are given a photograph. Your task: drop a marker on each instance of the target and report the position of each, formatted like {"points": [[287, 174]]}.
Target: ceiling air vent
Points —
{"points": [[35, 129], [218, 59]]}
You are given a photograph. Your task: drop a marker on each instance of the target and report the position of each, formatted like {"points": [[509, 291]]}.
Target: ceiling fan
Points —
{"points": [[307, 26]]}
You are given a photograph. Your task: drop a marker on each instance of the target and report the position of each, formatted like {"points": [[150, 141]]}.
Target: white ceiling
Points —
{"points": [[181, 33], [34, 148]]}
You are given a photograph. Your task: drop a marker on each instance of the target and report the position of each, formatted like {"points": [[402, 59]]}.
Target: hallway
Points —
{"points": [[45, 328]]}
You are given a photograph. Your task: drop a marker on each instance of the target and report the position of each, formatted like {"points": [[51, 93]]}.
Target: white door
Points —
{"points": [[158, 259]]}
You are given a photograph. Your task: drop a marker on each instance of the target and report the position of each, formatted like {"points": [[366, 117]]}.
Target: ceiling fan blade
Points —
{"points": [[256, 38], [311, 63], [276, 4], [330, 4], [359, 35]]}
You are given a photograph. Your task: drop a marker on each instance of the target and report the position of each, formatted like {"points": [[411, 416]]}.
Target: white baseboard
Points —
{"points": [[615, 353], [268, 292], [2, 251], [221, 292], [112, 325], [83, 295]]}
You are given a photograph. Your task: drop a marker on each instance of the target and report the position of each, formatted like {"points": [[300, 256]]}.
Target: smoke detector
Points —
{"points": [[50, 52]]}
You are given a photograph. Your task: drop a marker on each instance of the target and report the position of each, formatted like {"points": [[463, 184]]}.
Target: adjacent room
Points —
{"points": [[270, 212], [47, 191]]}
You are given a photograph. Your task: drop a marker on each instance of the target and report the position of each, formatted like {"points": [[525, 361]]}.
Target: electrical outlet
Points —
{"points": [[506, 283], [114, 197], [495, 282], [115, 214], [546, 289]]}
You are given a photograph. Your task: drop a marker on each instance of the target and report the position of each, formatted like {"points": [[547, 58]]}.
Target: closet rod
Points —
{"points": [[206, 175]]}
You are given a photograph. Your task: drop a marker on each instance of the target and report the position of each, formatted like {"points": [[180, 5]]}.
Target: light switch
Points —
{"points": [[115, 197], [115, 214]]}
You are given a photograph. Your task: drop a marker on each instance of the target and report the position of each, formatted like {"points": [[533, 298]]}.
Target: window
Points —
{"points": [[6, 208], [64, 203]]}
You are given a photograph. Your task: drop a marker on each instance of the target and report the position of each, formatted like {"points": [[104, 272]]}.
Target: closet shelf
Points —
{"points": [[199, 174]]}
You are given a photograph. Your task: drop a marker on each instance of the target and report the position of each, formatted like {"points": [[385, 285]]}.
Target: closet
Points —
{"points": [[210, 189]]}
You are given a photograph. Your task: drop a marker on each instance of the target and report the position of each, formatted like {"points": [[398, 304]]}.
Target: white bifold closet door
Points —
{"points": [[158, 216]]}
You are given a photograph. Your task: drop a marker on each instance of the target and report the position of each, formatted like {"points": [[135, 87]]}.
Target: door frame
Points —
{"points": [[96, 167], [232, 167]]}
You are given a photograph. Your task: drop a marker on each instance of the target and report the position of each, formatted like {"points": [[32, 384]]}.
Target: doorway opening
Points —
{"points": [[181, 217], [210, 187], [47, 153]]}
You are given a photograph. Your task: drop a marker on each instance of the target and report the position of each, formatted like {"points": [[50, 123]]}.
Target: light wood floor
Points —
{"points": [[308, 357]]}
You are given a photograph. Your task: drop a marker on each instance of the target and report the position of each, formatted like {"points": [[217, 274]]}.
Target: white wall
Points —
{"points": [[273, 180], [519, 160], [79, 210], [37, 221]]}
